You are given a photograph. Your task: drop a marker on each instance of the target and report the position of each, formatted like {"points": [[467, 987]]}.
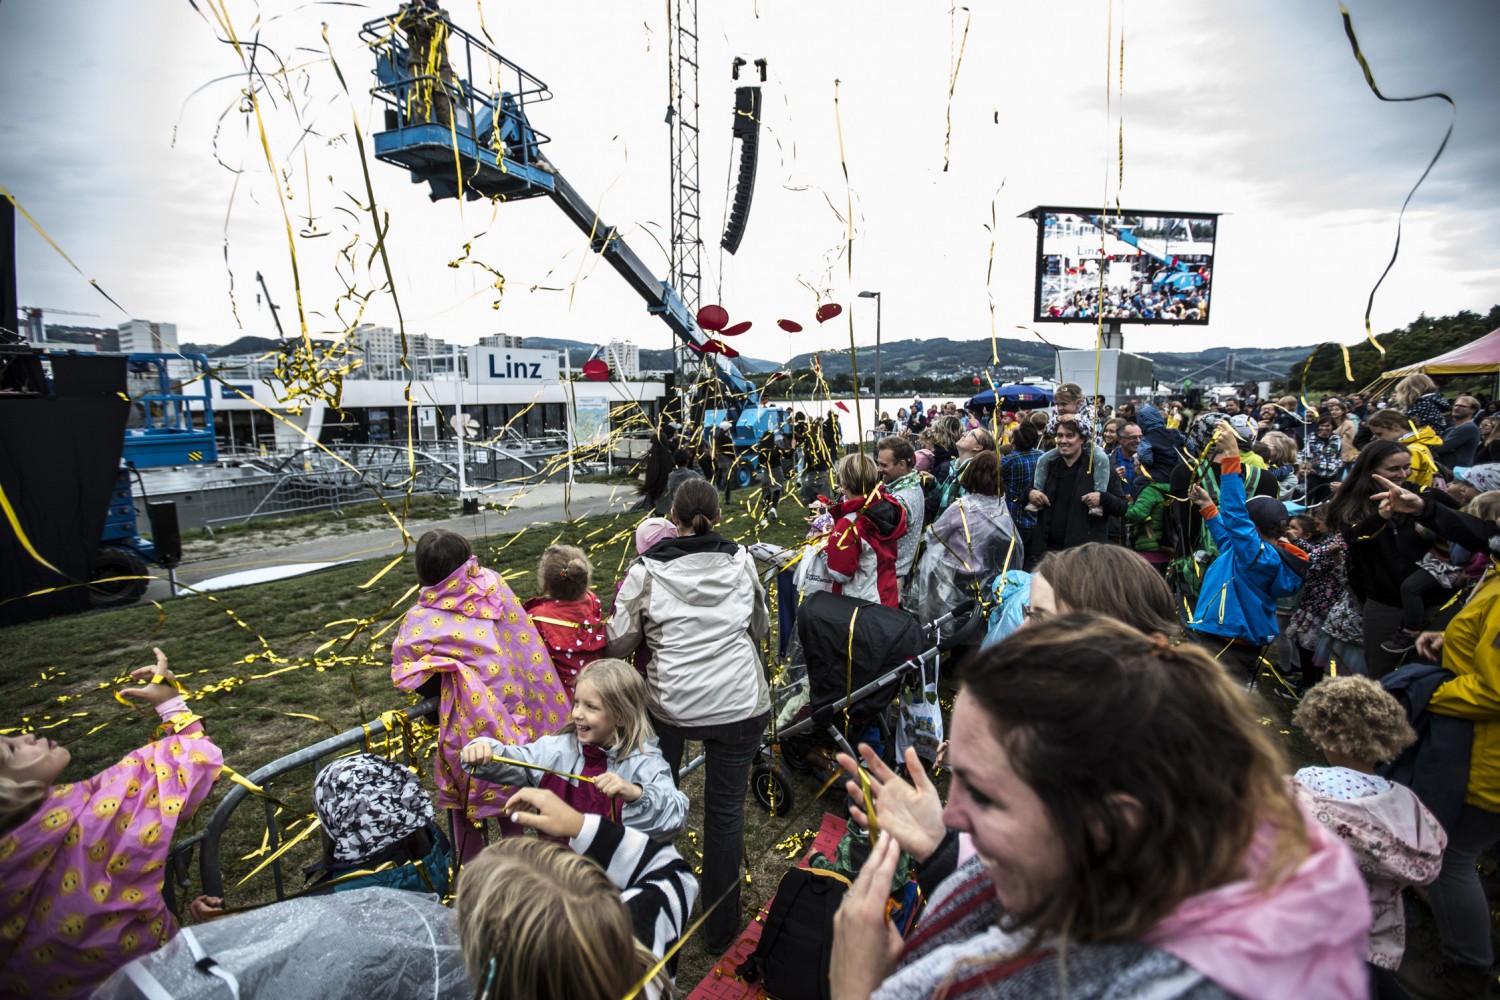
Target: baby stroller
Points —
{"points": [[857, 656]]}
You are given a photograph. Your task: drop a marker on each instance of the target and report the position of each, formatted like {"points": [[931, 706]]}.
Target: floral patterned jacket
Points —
{"points": [[498, 680], [1396, 841]]}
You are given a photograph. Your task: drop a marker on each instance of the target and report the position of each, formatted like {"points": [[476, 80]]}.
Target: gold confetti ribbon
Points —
{"points": [[1364, 66]]}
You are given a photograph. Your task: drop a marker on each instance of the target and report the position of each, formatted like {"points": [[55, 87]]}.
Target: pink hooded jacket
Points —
{"points": [[1306, 938], [498, 680], [1396, 841]]}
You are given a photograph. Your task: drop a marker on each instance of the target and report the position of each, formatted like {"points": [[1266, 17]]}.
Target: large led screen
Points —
{"points": [[1123, 266]]}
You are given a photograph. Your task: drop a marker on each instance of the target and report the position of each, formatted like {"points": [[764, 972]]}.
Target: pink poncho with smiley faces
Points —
{"points": [[80, 879], [498, 680]]}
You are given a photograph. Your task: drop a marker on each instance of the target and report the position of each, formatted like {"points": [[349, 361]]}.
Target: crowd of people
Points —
{"points": [[1119, 822]]}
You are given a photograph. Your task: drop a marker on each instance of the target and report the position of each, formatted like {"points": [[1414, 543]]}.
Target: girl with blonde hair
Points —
{"points": [[1418, 397], [1357, 724], [609, 742], [541, 921]]}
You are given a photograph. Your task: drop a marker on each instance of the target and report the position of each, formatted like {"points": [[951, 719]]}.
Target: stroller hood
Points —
{"points": [[849, 642]]}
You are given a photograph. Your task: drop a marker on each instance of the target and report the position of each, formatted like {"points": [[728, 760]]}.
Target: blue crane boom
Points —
{"points": [[475, 142]]}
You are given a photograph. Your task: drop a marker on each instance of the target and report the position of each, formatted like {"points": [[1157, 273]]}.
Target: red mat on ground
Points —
{"points": [[721, 983]]}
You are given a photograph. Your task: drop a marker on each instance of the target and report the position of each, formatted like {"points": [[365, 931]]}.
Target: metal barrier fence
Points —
{"points": [[206, 842], [312, 479]]}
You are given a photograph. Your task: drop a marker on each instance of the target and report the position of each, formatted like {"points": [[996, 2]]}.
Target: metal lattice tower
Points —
{"points": [[687, 243]]}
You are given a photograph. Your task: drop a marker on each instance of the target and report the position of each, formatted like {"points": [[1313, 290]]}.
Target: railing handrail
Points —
{"points": [[210, 871]]}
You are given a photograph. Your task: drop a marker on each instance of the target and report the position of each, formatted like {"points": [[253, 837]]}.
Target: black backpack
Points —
{"points": [[796, 942]]}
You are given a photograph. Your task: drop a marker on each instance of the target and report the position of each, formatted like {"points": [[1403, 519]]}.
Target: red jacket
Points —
{"points": [[573, 631], [862, 551]]}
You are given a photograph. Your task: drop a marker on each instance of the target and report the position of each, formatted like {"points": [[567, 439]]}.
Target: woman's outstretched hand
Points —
{"points": [[865, 943], [1396, 499], [911, 811]]}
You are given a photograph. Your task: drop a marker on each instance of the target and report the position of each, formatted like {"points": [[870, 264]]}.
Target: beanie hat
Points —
{"points": [[1482, 477], [652, 530], [1267, 513]]}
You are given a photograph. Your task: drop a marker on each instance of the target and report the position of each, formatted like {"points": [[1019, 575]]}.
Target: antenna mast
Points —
{"points": [[682, 118]]}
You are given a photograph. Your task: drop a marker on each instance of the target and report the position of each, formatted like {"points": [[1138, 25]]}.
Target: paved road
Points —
{"points": [[542, 505]]}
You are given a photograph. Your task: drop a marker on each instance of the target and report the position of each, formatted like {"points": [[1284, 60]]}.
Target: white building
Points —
{"points": [[501, 340], [141, 336], [380, 347], [624, 359]]}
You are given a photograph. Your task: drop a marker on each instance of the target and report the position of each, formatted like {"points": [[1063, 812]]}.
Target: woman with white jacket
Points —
{"points": [[698, 603]]}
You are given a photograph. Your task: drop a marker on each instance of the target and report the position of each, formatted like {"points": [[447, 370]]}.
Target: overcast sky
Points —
{"points": [[125, 134]]}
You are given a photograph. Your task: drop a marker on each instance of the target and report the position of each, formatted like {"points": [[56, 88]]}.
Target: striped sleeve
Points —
{"points": [[656, 885]]}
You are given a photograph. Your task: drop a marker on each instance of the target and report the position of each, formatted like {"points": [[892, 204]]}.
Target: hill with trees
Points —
{"points": [[1423, 338]]}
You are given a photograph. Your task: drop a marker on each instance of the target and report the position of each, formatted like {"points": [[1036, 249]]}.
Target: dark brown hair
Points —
{"points": [[1025, 436], [439, 553], [1351, 502], [1152, 767], [900, 449], [695, 506], [982, 474]]}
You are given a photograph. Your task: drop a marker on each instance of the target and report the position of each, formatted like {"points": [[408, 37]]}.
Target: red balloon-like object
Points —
{"points": [[789, 325], [736, 330], [828, 311], [713, 317], [596, 370]]}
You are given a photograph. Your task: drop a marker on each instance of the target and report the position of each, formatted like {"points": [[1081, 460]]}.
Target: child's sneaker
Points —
{"points": [[1401, 642]]}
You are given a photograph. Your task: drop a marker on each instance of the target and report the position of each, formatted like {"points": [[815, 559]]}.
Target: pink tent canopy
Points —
{"points": [[1482, 355]]}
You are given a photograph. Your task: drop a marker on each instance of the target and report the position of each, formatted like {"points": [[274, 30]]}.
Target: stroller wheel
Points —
{"points": [[771, 788]]}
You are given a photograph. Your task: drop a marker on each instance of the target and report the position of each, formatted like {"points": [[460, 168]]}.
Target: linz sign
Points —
{"points": [[512, 366]]}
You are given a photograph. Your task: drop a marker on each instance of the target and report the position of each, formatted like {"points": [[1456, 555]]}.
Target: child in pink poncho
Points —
{"points": [[82, 863], [469, 638]]}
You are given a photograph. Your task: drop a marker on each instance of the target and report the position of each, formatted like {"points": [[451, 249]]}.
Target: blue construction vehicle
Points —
{"points": [[167, 390], [468, 140]]}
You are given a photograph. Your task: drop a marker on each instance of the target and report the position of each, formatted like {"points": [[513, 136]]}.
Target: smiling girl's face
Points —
{"points": [[591, 720]]}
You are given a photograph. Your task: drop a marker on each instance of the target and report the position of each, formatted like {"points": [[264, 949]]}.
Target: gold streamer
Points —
{"points": [[1396, 250]]}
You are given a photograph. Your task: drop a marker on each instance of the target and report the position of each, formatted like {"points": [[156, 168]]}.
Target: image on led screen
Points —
{"points": [[1156, 267]]}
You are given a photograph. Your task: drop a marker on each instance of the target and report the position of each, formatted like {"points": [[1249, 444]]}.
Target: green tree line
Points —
{"points": [[1423, 338]]}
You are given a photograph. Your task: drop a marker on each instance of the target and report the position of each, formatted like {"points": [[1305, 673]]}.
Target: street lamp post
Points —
{"points": [[876, 297]]}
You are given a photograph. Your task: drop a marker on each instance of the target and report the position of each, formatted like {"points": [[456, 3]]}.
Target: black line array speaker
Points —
{"points": [[747, 130]]}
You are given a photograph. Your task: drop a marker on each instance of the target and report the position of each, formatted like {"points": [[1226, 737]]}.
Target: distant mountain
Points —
{"points": [[245, 345], [940, 358]]}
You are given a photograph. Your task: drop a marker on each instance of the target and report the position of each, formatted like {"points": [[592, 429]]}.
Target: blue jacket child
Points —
{"points": [[1240, 587]]}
